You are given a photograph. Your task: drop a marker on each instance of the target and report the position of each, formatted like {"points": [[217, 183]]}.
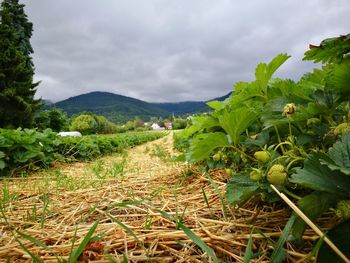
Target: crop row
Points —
{"points": [[294, 135], [28, 149]]}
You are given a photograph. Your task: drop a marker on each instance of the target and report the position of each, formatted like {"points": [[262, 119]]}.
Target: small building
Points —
{"points": [[156, 127], [168, 125]]}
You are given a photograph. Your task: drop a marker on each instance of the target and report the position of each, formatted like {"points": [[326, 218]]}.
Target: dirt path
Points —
{"points": [[128, 194]]}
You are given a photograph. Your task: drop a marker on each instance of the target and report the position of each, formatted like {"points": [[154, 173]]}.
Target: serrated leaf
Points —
{"points": [[339, 79], [264, 72], [236, 121], [313, 205], [340, 152], [330, 50], [215, 104], [205, 122], [319, 177], [240, 188], [204, 144]]}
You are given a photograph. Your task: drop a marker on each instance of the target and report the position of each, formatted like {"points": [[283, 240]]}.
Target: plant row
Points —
{"points": [[292, 134], [28, 149]]}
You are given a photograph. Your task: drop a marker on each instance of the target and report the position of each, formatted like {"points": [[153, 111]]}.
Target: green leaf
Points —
{"points": [[23, 157], [340, 155], [340, 236], [37, 242], [125, 227], [330, 50], [2, 154], [205, 122], [203, 145], [235, 122], [32, 256], [279, 252], [339, 79], [313, 206], [191, 235], [248, 254], [263, 72], [240, 188], [222, 200], [319, 177], [2, 164], [73, 257], [215, 104]]}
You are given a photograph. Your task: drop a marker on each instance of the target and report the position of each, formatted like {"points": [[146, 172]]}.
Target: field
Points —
{"points": [[135, 206], [216, 198]]}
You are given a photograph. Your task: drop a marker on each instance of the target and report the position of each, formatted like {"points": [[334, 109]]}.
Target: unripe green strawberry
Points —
{"points": [[229, 171], [277, 174], [256, 175], [343, 209], [341, 128], [217, 157], [313, 121], [262, 156]]}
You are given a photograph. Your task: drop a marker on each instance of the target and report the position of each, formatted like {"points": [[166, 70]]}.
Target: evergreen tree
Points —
{"points": [[17, 90]]}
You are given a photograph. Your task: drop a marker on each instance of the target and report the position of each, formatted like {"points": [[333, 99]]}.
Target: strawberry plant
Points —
{"points": [[293, 134], [24, 150], [27, 149]]}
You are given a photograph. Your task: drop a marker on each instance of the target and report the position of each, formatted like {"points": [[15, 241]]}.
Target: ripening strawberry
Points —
{"points": [[262, 156], [343, 209], [277, 174], [341, 128], [217, 157], [229, 171], [256, 175]]}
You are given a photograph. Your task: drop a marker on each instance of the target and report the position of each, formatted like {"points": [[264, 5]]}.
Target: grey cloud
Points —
{"points": [[160, 50]]}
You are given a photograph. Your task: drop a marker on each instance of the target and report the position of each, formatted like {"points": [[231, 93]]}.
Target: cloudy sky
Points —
{"points": [[172, 50]]}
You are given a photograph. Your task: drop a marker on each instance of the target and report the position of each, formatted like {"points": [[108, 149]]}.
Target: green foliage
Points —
{"points": [[330, 50], [17, 103], [86, 124], [91, 147], [319, 177], [236, 121], [240, 189], [22, 150], [179, 123], [203, 144], [54, 119], [291, 134], [27, 149]]}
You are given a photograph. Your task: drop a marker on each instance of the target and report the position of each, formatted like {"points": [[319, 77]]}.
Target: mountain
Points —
{"points": [[186, 107], [119, 109], [181, 108], [115, 107]]}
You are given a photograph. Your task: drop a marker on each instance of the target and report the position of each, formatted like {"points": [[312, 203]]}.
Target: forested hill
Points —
{"points": [[120, 108], [180, 108], [115, 107]]}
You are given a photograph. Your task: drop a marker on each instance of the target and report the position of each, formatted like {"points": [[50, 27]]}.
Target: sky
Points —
{"points": [[172, 50]]}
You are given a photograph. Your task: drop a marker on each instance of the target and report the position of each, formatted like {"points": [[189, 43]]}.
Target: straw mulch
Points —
{"points": [[61, 212]]}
